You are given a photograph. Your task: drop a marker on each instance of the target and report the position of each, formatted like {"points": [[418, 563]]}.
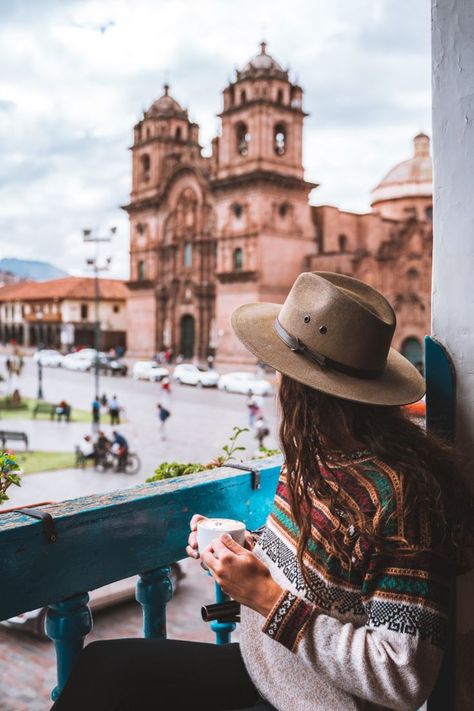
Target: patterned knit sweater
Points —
{"points": [[366, 639]]}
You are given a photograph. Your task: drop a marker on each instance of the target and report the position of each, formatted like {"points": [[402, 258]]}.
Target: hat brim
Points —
{"points": [[399, 384]]}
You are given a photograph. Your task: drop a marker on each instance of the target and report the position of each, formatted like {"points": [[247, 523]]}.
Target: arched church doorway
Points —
{"points": [[187, 336], [413, 351]]}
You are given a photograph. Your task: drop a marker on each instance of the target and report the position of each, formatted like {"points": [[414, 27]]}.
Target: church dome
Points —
{"points": [[410, 178], [165, 107], [262, 64]]}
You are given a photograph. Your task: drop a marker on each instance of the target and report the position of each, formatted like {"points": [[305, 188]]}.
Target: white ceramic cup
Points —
{"points": [[210, 528]]}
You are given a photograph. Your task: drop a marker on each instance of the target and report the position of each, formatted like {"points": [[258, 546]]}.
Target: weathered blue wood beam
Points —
{"points": [[105, 538]]}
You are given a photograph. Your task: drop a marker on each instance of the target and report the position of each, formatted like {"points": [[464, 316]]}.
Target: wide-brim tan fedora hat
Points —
{"points": [[334, 334]]}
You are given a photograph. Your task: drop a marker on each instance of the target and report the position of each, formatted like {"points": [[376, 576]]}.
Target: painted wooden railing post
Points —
{"points": [[223, 630], [67, 624], [154, 591]]}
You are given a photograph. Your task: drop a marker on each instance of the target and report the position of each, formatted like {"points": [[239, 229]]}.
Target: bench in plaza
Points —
{"points": [[50, 409], [8, 436], [44, 407]]}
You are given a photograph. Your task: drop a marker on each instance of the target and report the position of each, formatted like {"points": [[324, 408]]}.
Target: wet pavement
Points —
{"points": [[201, 423]]}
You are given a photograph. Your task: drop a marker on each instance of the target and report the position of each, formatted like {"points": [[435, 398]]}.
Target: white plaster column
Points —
{"points": [[453, 255]]}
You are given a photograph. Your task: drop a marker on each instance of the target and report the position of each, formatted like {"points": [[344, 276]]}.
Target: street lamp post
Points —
{"points": [[94, 264], [40, 396]]}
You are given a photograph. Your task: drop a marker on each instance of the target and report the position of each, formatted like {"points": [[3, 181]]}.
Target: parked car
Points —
{"points": [[243, 382], [195, 375], [81, 360], [48, 357], [99, 599], [149, 370], [112, 366]]}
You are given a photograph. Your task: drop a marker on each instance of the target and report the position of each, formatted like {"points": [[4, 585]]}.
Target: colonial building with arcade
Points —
{"points": [[208, 233]]}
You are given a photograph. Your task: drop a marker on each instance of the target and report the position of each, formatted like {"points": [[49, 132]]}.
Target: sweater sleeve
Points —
{"points": [[391, 660]]}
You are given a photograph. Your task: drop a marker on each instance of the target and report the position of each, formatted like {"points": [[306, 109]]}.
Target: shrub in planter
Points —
{"points": [[10, 472], [170, 470]]}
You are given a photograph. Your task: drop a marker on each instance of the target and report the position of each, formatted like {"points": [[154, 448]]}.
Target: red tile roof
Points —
{"points": [[65, 288]]}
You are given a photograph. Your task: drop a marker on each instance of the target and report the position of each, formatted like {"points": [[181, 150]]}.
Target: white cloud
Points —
{"points": [[80, 73]]}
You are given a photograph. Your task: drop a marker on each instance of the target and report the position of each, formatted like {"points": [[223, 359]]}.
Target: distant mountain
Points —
{"points": [[30, 269]]}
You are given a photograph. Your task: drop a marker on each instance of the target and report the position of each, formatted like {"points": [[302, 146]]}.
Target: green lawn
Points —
{"points": [[27, 413], [32, 462]]}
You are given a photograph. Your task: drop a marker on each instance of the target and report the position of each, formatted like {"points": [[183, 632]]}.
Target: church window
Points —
{"points": [[279, 139], [283, 209], [145, 165], [84, 312], [243, 139], [116, 308], [280, 96], [140, 228], [178, 133], [429, 213], [148, 133], [413, 279], [231, 96], [140, 270], [188, 255], [238, 259], [342, 243], [243, 96], [237, 209]]}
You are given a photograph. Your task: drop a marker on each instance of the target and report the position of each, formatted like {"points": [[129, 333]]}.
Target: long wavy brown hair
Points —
{"points": [[317, 428]]}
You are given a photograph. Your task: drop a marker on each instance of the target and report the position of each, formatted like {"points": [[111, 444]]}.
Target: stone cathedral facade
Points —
{"points": [[210, 233]]}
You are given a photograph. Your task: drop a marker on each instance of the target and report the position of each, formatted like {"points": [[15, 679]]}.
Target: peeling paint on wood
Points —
{"points": [[108, 537]]}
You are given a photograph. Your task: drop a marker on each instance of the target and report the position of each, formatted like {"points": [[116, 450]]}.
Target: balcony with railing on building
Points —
{"points": [[56, 555]]}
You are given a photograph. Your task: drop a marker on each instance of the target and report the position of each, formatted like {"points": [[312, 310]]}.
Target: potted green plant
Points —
{"points": [[10, 473]]}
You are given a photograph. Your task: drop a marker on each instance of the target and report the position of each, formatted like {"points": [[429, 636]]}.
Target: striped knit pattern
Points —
{"points": [[402, 590]]}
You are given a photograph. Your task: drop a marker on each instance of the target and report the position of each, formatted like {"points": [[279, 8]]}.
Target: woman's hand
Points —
{"points": [[192, 547], [241, 574]]}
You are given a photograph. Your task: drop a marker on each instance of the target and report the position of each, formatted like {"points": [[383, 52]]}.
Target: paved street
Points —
{"points": [[201, 422], [27, 664]]}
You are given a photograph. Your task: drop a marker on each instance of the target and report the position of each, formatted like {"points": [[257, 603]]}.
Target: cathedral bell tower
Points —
{"points": [[265, 229], [262, 121]]}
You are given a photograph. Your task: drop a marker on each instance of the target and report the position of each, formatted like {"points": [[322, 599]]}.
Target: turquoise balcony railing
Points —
{"points": [[101, 539]]}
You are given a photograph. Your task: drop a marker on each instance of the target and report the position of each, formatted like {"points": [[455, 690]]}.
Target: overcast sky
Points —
{"points": [[76, 75]]}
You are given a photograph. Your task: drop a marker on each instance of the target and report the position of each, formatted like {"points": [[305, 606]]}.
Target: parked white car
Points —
{"points": [[81, 360], [49, 358], [149, 370], [195, 375], [246, 383]]}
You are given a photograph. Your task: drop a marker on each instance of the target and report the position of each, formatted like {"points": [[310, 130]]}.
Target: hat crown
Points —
{"points": [[340, 318]]}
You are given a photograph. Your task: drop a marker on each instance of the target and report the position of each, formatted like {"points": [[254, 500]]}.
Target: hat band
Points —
{"points": [[297, 346]]}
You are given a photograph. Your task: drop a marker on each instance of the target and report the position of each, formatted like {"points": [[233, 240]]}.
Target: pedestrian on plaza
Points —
{"points": [[8, 366], [95, 411], [120, 447], [210, 362], [63, 410], [163, 415], [345, 592], [86, 450], [114, 411], [104, 400], [164, 406], [261, 430], [254, 408]]}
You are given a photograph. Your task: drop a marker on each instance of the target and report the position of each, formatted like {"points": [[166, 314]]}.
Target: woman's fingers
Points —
{"points": [[192, 552], [193, 545], [194, 521]]}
